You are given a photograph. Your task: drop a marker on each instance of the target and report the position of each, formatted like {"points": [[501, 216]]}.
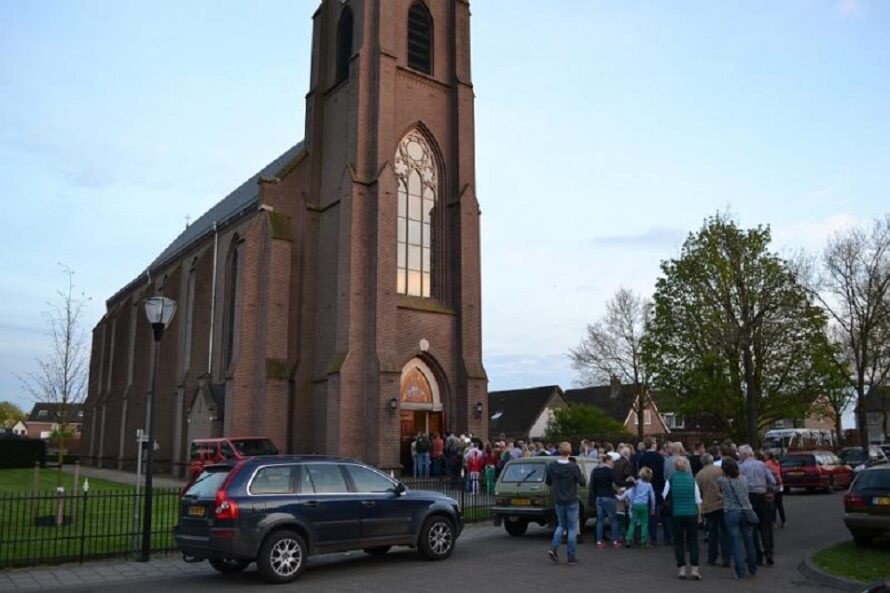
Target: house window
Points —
{"points": [[647, 417], [672, 421], [420, 38], [415, 167], [344, 43], [42, 413], [233, 281]]}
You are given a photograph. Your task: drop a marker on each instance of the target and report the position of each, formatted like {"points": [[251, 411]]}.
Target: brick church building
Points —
{"points": [[332, 301]]}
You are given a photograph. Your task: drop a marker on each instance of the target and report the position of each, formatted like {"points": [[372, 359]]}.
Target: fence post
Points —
{"points": [[83, 517], [74, 493], [35, 491]]}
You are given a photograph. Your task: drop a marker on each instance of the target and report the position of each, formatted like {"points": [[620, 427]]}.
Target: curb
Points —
{"points": [[809, 569]]}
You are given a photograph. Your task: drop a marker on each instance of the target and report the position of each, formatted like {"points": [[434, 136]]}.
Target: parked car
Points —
{"points": [[813, 470], [521, 496], [278, 511], [867, 504], [208, 451], [859, 458]]}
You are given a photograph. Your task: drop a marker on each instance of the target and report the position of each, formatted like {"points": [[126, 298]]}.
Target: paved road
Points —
{"points": [[485, 560]]}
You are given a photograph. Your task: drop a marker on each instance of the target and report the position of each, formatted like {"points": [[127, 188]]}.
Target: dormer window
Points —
{"points": [[420, 38]]}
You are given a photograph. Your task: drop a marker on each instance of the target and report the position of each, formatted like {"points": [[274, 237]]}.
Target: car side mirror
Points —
{"points": [[400, 489]]}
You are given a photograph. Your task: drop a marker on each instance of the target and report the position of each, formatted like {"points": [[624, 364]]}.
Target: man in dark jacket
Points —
{"points": [[564, 476], [654, 460]]}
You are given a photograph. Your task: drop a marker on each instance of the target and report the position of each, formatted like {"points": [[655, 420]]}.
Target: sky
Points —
{"points": [[606, 131]]}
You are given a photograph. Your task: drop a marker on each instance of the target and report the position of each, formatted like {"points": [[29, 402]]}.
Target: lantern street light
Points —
{"points": [[160, 311]]}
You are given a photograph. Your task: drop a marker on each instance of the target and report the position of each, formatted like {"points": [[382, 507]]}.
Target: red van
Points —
{"points": [[209, 451]]}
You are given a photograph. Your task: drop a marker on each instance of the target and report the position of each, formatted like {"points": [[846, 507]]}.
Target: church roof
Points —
{"points": [[245, 197]]}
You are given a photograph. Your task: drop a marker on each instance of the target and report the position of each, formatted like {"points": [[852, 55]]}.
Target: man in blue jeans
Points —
{"points": [[564, 476]]}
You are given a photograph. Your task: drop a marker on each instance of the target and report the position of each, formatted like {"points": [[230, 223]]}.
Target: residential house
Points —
{"points": [[523, 413], [877, 413], [48, 417], [19, 428], [620, 403]]}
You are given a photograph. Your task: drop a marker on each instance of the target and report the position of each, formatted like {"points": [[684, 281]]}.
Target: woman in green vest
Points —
{"points": [[685, 516]]}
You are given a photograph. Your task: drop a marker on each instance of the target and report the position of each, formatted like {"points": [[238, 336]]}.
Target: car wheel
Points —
{"points": [[378, 551], [436, 538], [282, 557], [229, 565], [516, 528], [862, 540]]}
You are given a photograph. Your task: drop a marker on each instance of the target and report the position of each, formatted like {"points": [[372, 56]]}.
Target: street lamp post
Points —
{"points": [[159, 311]]}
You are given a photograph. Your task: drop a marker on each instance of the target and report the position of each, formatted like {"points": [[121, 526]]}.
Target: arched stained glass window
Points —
{"points": [[420, 38], [415, 167], [344, 43]]}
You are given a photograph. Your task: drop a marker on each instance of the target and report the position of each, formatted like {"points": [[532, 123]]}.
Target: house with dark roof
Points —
{"points": [[45, 418], [332, 302], [620, 403], [523, 413], [877, 413]]}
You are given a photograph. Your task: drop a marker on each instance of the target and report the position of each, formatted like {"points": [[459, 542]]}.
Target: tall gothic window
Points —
{"points": [[420, 38], [415, 167], [344, 43], [233, 280]]}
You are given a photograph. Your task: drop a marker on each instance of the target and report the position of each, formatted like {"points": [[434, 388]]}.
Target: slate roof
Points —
{"points": [[518, 409], [244, 198], [877, 399], [52, 411], [615, 401]]}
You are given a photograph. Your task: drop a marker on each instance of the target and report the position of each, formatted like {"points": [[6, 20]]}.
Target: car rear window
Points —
{"points": [[254, 447], [208, 482], [854, 457], [873, 480], [798, 460], [524, 472]]}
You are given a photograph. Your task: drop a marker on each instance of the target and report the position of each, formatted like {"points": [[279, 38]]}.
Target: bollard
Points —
{"points": [[60, 506]]}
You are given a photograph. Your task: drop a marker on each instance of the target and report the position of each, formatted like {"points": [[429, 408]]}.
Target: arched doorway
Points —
{"points": [[420, 407]]}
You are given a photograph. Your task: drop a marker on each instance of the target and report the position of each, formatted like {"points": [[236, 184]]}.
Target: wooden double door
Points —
{"points": [[412, 422]]}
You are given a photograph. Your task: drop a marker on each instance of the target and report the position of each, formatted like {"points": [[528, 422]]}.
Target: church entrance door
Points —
{"points": [[421, 409]]}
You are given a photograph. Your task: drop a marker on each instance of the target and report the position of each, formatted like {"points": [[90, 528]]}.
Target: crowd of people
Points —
{"points": [[734, 493]]}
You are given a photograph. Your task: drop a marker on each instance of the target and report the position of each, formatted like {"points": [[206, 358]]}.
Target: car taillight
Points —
{"points": [[853, 501], [226, 508], [537, 502], [501, 501]]}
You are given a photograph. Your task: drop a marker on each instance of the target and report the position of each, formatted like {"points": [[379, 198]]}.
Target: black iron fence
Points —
{"points": [[53, 527], [474, 494]]}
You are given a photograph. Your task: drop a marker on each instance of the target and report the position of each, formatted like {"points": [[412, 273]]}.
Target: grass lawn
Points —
{"points": [[850, 561], [20, 481], [98, 524]]}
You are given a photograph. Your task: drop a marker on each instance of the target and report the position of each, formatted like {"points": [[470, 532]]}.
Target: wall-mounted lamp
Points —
{"points": [[478, 409], [393, 405]]}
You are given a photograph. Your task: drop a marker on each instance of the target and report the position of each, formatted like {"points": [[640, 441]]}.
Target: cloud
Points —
{"points": [[849, 8], [654, 237], [813, 233]]}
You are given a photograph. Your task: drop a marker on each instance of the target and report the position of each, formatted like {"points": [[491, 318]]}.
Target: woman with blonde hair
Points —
{"points": [[685, 503]]}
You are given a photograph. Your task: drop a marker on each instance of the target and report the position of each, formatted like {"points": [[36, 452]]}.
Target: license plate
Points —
{"points": [[881, 500], [797, 474], [520, 502], [196, 511]]}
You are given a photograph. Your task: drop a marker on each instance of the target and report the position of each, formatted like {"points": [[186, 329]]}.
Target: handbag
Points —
{"points": [[751, 517]]}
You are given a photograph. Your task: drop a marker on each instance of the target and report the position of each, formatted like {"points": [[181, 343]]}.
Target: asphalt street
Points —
{"points": [[486, 559]]}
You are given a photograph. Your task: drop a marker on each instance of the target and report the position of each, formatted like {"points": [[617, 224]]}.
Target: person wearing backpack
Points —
{"points": [[422, 448]]}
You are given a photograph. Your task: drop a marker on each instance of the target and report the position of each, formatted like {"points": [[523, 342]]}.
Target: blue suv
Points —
{"points": [[277, 511]]}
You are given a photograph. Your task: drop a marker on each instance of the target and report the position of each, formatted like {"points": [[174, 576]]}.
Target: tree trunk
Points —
{"points": [[751, 397], [861, 416]]}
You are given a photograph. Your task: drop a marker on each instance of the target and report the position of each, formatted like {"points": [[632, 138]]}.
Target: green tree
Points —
{"points": [[734, 334], [580, 421], [612, 350], [10, 414]]}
